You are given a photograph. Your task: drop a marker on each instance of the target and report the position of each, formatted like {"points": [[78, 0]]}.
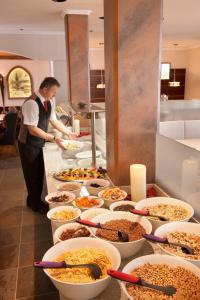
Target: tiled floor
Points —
{"points": [[24, 237]]}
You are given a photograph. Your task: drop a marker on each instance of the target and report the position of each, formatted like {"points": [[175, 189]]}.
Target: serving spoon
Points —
{"points": [[147, 214], [153, 238], [168, 290], [123, 236], [94, 268]]}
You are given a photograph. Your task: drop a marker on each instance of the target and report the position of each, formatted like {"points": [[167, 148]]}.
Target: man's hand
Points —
{"points": [[72, 135], [59, 142]]}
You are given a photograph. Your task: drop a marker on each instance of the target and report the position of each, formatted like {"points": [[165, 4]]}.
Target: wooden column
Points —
{"points": [[77, 49], [132, 77]]}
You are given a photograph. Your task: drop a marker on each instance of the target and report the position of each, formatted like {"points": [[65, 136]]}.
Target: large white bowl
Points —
{"points": [[82, 291], [69, 153], [182, 227], [100, 204], [91, 213], [108, 202], [56, 204], [119, 203], [57, 223], [164, 200], [64, 227], [157, 259], [94, 191], [63, 187], [126, 249]]}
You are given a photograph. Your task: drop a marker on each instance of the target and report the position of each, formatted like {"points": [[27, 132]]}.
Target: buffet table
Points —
{"points": [[53, 162]]}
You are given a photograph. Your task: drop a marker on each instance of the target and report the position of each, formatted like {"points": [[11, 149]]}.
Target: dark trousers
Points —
{"points": [[33, 169]]}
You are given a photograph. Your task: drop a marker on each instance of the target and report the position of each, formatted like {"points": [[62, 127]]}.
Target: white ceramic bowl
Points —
{"points": [[64, 227], [157, 259], [56, 204], [94, 191], [119, 203], [91, 213], [82, 291], [164, 200], [108, 202], [187, 227], [69, 153], [57, 223], [64, 187], [126, 249], [100, 203]]}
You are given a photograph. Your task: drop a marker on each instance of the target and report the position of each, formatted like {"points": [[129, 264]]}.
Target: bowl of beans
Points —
{"points": [[133, 226], [94, 186], [71, 231], [163, 270], [169, 208], [185, 233], [62, 215], [59, 199], [123, 205]]}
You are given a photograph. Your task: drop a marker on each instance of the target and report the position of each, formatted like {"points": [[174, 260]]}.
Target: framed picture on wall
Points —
{"points": [[19, 83]]}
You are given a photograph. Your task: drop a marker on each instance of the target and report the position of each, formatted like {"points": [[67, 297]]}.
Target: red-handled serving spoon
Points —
{"points": [[121, 234], [94, 268], [168, 290], [153, 238], [147, 214]]}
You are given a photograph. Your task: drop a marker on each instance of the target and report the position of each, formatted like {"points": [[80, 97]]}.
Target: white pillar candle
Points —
{"points": [[138, 182], [76, 126]]}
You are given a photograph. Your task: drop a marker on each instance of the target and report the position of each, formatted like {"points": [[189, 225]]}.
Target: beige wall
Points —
{"points": [[178, 59], [193, 75], [38, 70]]}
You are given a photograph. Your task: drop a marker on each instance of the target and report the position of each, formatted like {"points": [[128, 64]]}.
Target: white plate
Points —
{"points": [[87, 163], [87, 154]]}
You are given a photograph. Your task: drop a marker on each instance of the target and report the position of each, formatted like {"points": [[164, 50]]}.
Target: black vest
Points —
{"points": [[44, 116]]}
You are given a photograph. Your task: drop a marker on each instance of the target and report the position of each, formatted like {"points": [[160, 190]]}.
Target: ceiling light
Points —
{"points": [[59, 0], [174, 83], [101, 18], [101, 44]]}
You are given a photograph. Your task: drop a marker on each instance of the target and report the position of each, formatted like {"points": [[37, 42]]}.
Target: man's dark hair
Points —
{"points": [[48, 82]]}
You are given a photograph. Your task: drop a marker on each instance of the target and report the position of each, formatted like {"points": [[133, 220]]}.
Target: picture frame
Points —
{"points": [[19, 83]]}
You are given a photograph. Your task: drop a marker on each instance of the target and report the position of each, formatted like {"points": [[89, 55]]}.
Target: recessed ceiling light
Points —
{"points": [[59, 0], [21, 29], [101, 18], [101, 44], [91, 31]]}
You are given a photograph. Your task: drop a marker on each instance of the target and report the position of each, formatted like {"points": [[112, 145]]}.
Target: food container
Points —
{"points": [[156, 259], [57, 223], [95, 190], [57, 194], [100, 203], [120, 203], [126, 249], [82, 291], [187, 227], [67, 186], [91, 213], [164, 200], [109, 201], [65, 227], [70, 152]]}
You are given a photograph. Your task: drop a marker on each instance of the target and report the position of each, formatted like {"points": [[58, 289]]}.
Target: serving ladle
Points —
{"points": [[94, 268], [168, 290], [147, 214], [153, 238], [123, 236]]}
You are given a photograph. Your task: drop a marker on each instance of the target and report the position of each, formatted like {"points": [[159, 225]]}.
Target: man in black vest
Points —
{"points": [[37, 112]]}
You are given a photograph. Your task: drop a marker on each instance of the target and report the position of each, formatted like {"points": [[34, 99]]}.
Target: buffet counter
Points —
{"points": [[54, 162]]}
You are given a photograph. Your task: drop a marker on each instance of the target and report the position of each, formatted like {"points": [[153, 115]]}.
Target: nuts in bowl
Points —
{"points": [[70, 231], [86, 202], [59, 198], [111, 195]]}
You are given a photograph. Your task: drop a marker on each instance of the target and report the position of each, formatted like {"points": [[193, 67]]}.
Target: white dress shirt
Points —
{"points": [[30, 111]]}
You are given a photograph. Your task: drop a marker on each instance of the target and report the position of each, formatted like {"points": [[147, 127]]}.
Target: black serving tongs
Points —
{"points": [[94, 268], [168, 290], [185, 249], [123, 236]]}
